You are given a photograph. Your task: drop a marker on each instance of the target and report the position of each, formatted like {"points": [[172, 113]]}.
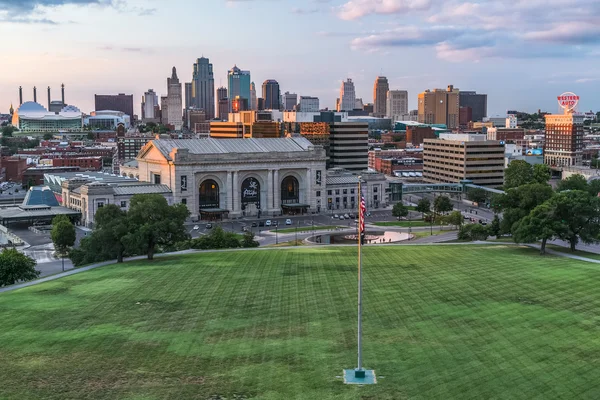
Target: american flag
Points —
{"points": [[363, 210]]}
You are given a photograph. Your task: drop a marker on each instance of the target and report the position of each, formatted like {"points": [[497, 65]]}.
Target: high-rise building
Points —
{"points": [[253, 102], [347, 101], [203, 87], [564, 139], [456, 157], [477, 102], [349, 145], [440, 107], [358, 104], [239, 104], [396, 104], [189, 99], [308, 104], [260, 104], [164, 110], [149, 103], [380, 89], [465, 115], [289, 101], [271, 94], [222, 103], [120, 102], [174, 105], [238, 85]]}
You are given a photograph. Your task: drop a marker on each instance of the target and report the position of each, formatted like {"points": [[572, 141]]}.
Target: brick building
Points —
{"points": [[416, 134]]}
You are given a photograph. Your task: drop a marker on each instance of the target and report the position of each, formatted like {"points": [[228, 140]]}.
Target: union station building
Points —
{"points": [[220, 178]]}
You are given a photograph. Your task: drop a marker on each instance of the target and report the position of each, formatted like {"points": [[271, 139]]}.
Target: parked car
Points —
{"points": [[275, 223], [196, 227], [209, 226], [261, 223], [342, 217], [244, 228], [268, 223], [288, 221], [254, 224], [336, 216], [346, 216]]}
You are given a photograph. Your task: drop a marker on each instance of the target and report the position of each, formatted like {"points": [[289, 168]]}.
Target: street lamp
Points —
{"points": [[296, 244], [276, 238]]}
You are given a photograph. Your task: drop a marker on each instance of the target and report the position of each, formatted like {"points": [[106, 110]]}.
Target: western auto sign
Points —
{"points": [[568, 100]]}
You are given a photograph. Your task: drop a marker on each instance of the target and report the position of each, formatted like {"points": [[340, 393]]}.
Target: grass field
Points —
{"points": [[445, 322]]}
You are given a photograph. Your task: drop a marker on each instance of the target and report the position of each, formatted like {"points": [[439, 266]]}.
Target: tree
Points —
{"points": [[423, 206], [442, 204], [16, 267], [594, 187], [399, 210], [91, 136], [154, 223], [478, 195], [540, 224], [580, 215], [63, 233], [7, 131], [541, 173], [454, 218], [517, 174], [473, 232], [494, 228], [518, 202], [248, 240], [574, 182], [111, 228], [48, 136]]}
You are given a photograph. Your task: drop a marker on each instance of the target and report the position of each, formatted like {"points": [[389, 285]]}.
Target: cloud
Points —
{"points": [[27, 6], [25, 20], [301, 11], [355, 9], [586, 80], [568, 33]]}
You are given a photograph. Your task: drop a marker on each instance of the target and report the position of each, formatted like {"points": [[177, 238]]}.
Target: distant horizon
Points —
{"points": [[308, 46]]}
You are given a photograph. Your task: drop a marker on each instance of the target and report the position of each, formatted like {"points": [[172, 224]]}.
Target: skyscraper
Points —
{"points": [[271, 94], [308, 104], [189, 99], [563, 146], [174, 101], [347, 96], [222, 103], [397, 104], [477, 102], [253, 102], [203, 87], [380, 89], [238, 84], [120, 102], [289, 101], [149, 103], [440, 107]]}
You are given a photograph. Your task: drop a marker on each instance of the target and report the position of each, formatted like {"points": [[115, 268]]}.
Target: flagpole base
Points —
{"points": [[359, 377]]}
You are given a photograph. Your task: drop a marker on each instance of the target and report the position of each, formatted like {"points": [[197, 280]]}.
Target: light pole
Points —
{"points": [[296, 244], [276, 238]]}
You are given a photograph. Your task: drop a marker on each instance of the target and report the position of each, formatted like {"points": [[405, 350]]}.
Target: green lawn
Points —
{"points": [[445, 322], [306, 229], [567, 250]]}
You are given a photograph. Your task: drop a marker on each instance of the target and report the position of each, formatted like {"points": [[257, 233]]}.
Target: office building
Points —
{"points": [[238, 85], [506, 135], [149, 104], [238, 130], [120, 102], [203, 87], [349, 145], [456, 157], [416, 134], [380, 89], [477, 102], [440, 107], [511, 121], [188, 98], [290, 100], [308, 104], [239, 104], [564, 139], [271, 94], [174, 106], [347, 100], [359, 105], [260, 104], [396, 104], [222, 103], [253, 99], [465, 115], [128, 147], [164, 110]]}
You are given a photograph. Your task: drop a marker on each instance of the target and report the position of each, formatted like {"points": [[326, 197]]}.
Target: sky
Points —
{"points": [[522, 53]]}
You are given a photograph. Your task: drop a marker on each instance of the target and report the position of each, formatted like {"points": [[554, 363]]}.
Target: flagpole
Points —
{"points": [[360, 234]]}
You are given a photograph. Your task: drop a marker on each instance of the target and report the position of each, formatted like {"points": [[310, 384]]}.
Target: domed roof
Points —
{"points": [[31, 106], [70, 108]]}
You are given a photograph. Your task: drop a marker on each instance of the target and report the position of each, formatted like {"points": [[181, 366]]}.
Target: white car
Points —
{"points": [[288, 221], [268, 222], [196, 227], [346, 216], [342, 217], [336, 216]]}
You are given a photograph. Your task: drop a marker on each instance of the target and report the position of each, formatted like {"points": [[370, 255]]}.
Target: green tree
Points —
{"points": [[399, 210], [574, 182], [594, 187], [91, 136], [517, 174], [16, 267], [494, 228], [478, 195], [154, 223], [63, 234], [442, 204], [518, 202], [111, 229], [423, 206], [473, 232], [580, 214], [7, 131], [248, 240], [48, 136], [540, 224], [454, 218], [541, 173]]}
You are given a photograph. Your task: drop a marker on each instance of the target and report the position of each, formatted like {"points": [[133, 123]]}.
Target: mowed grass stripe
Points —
{"points": [[447, 322]]}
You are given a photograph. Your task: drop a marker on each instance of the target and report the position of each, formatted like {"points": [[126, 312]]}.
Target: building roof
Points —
{"points": [[40, 195], [141, 189], [224, 146], [29, 213]]}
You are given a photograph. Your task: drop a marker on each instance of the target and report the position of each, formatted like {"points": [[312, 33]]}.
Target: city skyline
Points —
{"points": [[359, 39]]}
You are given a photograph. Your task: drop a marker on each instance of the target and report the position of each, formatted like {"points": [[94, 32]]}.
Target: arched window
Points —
{"points": [[290, 190], [209, 194]]}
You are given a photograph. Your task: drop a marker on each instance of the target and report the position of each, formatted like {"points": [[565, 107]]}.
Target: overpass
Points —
{"points": [[398, 189]]}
